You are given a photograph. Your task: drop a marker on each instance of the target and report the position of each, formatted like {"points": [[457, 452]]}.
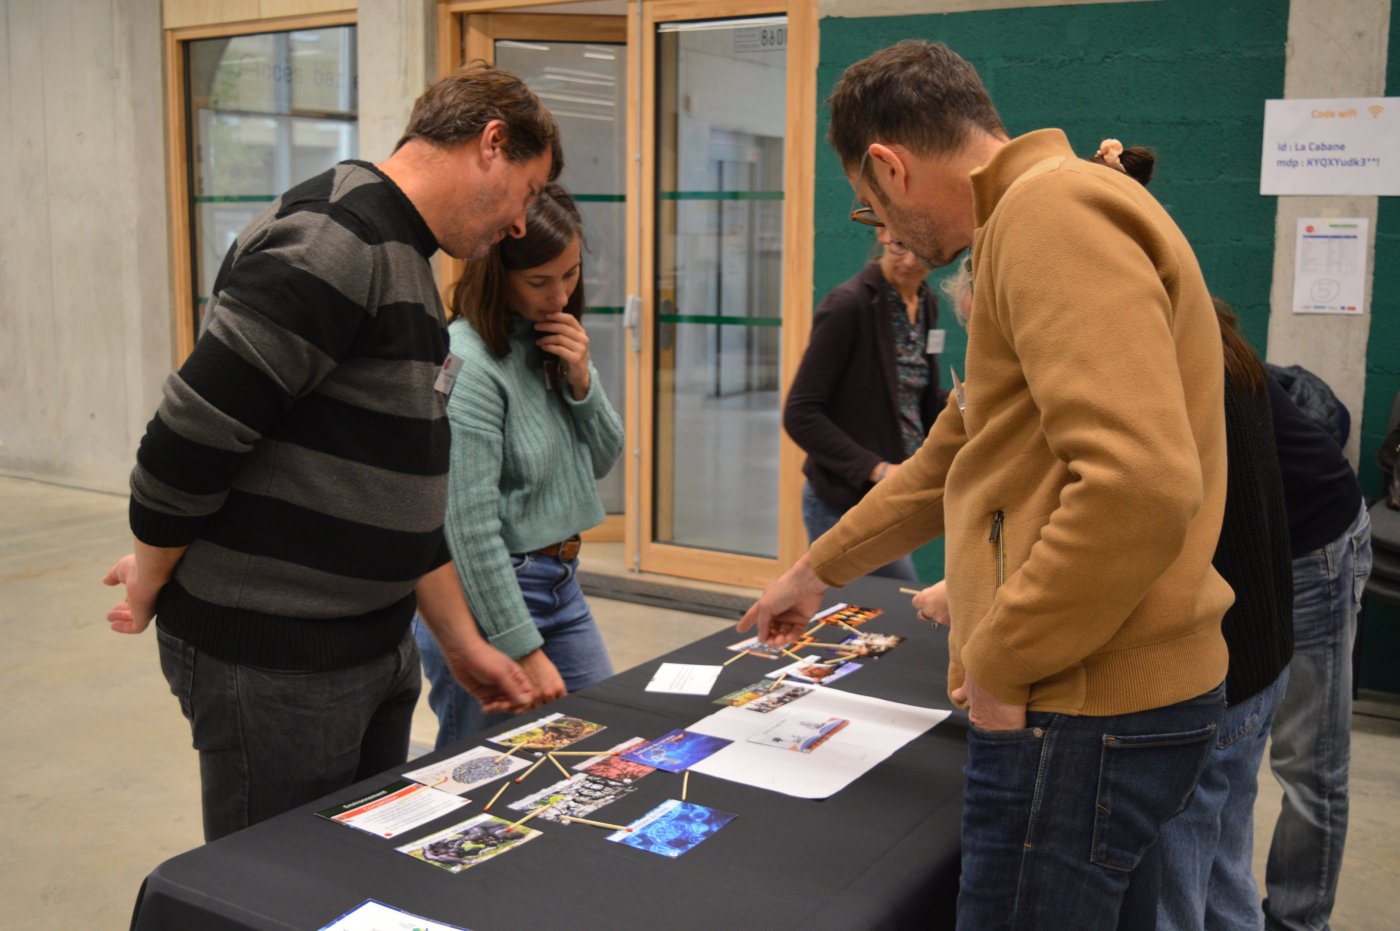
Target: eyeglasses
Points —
{"points": [[896, 248], [863, 213]]}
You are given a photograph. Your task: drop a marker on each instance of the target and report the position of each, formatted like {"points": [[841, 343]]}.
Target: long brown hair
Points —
{"points": [[1241, 364], [552, 221]]}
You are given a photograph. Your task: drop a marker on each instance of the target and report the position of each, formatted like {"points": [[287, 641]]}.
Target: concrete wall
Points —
{"points": [[86, 322], [1383, 344], [397, 60], [85, 318], [1336, 48]]}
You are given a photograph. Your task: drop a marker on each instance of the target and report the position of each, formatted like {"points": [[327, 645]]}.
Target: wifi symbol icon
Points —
{"points": [[1375, 110]]}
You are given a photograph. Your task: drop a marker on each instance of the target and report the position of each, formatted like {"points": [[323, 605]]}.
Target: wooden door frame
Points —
{"points": [[455, 39], [799, 165], [177, 168]]}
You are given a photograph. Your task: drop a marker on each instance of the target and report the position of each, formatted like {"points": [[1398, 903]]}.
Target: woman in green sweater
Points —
{"points": [[532, 431]]}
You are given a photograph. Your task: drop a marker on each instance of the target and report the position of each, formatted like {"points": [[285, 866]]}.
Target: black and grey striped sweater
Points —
{"points": [[301, 451]]}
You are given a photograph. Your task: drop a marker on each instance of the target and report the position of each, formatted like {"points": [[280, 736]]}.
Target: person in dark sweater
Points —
{"points": [[867, 389], [288, 497], [1330, 537], [1207, 849]]}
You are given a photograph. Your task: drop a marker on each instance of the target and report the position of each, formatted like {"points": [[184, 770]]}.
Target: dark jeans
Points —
{"points": [[818, 517], [1061, 818], [270, 740]]}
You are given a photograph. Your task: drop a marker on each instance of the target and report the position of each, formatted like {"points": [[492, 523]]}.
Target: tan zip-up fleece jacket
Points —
{"points": [[1082, 484]]}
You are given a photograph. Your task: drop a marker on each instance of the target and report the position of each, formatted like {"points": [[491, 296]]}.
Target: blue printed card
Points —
{"points": [[677, 751], [672, 828]]}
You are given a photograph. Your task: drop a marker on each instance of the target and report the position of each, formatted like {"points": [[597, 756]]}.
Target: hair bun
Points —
{"points": [[1139, 163]]}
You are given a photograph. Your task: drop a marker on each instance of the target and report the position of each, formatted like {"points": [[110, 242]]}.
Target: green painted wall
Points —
{"points": [[1186, 78], [1381, 637]]}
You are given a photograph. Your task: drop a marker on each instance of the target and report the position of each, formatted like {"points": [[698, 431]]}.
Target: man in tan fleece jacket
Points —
{"points": [[1079, 475]]}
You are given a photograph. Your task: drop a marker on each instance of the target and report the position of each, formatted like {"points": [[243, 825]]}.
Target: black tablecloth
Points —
{"points": [[881, 853]]}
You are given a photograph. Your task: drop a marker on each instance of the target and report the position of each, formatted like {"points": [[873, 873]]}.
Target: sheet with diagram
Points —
{"points": [[876, 729]]}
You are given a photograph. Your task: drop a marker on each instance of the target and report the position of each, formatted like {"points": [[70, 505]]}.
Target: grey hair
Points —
{"points": [[957, 288]]}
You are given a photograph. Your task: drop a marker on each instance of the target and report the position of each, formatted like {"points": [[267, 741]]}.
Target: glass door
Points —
{"points": [[715, 144], [577, 65], [690, 137]]}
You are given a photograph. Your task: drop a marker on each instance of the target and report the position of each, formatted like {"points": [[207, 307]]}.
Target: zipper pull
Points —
{"points": [[996, 527]]}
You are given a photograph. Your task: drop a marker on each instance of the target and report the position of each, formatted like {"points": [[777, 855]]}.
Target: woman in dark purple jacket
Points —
{"points": [[867, 390]]}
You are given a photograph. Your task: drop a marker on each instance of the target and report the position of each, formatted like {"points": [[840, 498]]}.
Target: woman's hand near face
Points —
{"points": [[563, 335]]}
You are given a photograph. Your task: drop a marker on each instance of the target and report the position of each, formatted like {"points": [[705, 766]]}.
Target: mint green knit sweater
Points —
{"points": [[523, 473]]}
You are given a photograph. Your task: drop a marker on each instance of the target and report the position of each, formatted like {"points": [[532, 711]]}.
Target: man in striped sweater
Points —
{"points": [[288, 498]]}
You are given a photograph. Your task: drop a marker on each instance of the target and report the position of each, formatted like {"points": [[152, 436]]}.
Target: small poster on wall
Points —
{"points": [[1329, 269]]}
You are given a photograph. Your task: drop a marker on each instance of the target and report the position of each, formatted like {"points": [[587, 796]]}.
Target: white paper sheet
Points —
{"points": [[376, 916], [684, 679], [1329, 270], [398, 807], [878, 728], [1337, 146]]}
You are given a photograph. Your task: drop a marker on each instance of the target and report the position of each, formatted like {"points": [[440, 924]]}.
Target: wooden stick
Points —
{"points": [[567, 774], [909, 591], [848, 627], [587, 752], [509, 753], [732, 659], [497, 795], [685, 784], [570, 819], [839, 646], [788, 652], [776, 681], [538, 811], [527, 772]]}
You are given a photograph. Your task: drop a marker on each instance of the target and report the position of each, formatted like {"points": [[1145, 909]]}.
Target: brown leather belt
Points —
{"points": [[565, 551]]}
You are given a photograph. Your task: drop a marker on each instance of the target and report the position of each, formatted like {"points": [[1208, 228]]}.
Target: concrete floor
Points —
{"points": [[103, 785]]}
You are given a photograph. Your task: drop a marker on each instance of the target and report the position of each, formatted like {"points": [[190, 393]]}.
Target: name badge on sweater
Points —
{"points": [[936, 339], [447, 375]]}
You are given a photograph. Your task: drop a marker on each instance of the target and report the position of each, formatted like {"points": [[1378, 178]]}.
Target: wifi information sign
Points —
{"points": [[1343, 146]]}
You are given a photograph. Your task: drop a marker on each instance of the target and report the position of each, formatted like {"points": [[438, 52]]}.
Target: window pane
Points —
{"points": [[266, 111], [722, 107]]}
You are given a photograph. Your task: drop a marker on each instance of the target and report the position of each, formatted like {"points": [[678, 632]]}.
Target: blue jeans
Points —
{"points": [[819, 517], [270, 740], [571, 641], [1061, 816], [1209, 847], [1311, 750]]}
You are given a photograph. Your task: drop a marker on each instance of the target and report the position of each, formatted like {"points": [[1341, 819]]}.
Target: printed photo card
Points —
{"points": [[673, 828]]}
